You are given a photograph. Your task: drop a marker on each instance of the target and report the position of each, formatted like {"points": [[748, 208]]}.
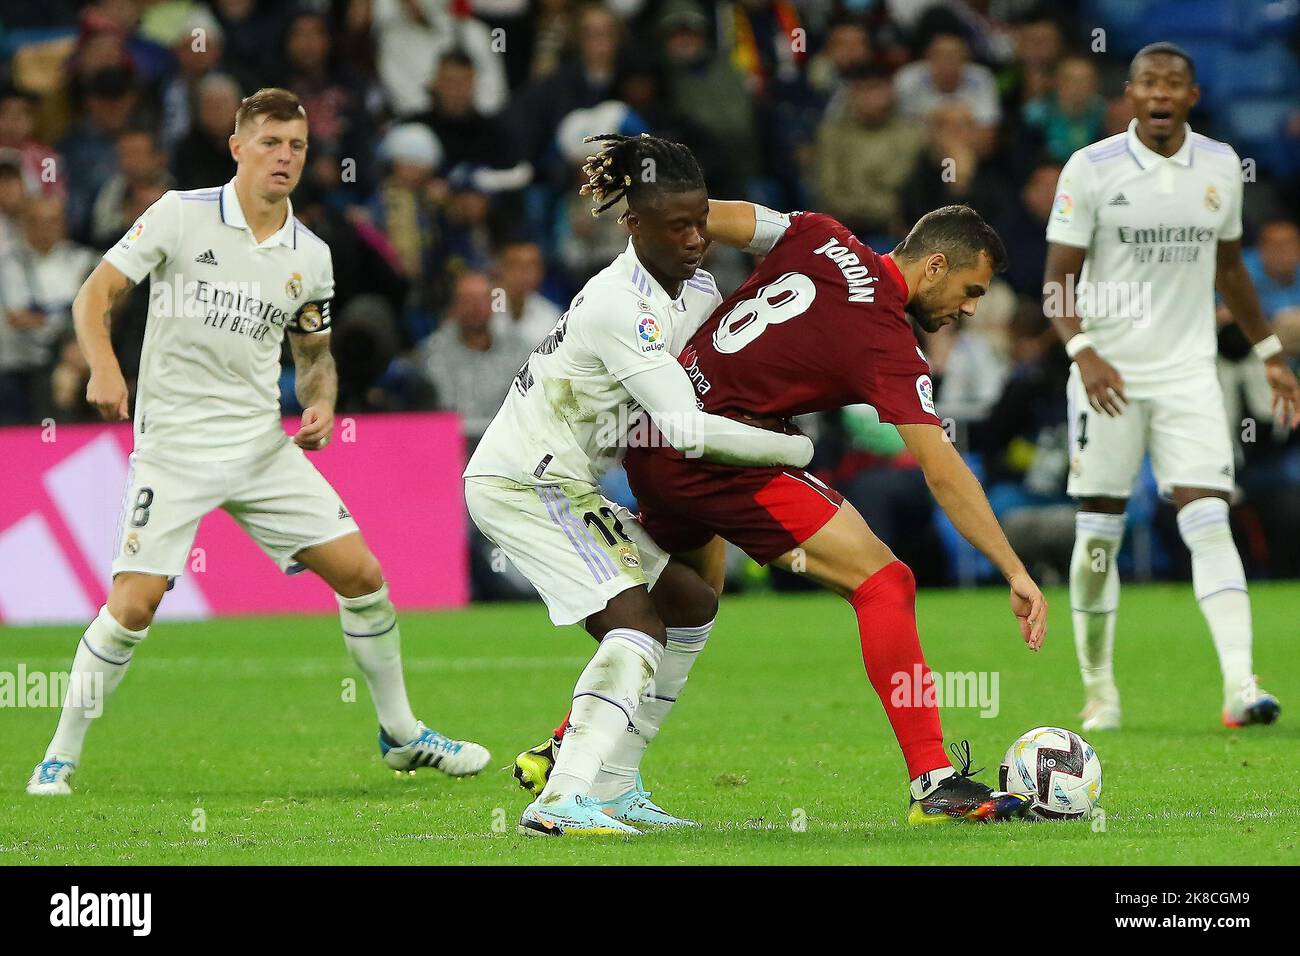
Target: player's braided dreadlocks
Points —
{"points": [[634, 167]]}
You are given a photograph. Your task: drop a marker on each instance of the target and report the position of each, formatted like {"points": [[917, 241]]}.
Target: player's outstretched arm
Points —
{"points": [[316, 383], [92, 317], [962, 499], [1101, 380], [665, 392], [1233, 281], [731, 222]]}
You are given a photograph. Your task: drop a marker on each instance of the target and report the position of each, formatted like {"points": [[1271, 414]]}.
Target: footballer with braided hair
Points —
{"points": [[667, 202], [532, 486]]}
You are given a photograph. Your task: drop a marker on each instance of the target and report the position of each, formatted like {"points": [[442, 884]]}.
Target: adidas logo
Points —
{"points": [[206, 258], [1119, 200], [343, 513]]}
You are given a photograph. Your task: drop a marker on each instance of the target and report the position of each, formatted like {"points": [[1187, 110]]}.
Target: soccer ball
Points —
{"points": [[1058, 767]]}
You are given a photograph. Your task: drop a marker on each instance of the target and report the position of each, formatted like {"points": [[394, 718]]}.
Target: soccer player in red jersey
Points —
{"points": [[822, 323]]}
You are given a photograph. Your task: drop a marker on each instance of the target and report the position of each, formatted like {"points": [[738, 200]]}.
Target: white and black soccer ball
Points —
{"points": [[1058, 768]]}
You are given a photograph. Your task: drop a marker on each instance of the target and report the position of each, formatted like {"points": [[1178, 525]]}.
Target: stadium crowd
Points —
{"points": [[446, 151]]}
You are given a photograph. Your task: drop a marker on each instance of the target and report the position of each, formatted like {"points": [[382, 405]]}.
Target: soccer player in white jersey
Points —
{"points": [[531, 485], [1145, 226], [231, 272]]}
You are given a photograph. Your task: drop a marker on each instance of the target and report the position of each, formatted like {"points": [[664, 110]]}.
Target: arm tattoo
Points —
{"points": [[315, 378]]}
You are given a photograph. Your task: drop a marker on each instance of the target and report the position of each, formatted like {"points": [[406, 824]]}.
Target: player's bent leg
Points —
{"points": [[1219, 582], [100, 663], [373, 638], [688, 606], [847, 557], [1094, 603], [605, 700]]}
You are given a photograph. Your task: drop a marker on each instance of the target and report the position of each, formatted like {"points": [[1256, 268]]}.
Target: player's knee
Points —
{"points": [[133, 599], [366, 578]]}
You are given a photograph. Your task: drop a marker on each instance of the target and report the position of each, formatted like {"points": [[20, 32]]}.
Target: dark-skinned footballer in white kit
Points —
{"points": [[1151, 219], [232, 273]]}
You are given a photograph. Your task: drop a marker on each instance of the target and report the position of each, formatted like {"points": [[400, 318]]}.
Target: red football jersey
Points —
{"points": [[819, 325]]}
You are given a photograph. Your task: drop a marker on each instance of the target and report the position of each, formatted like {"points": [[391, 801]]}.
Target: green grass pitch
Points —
{"points": [[779, 746]]}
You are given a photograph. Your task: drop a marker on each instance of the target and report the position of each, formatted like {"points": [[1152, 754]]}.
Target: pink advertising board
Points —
{"points": [[61, 498]]}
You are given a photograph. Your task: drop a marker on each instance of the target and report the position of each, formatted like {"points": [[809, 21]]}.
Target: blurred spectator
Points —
{"points": [[38, 281], [1274, 266], [1023, 228], [407, 212], [580, 81], [865, 156], [37, 161], [1119, 113], [89, 150], [198, 51], [554, 26], [706, 87], [468, 364], [761, 40], [252, 33], [203, 157], [13, 196], [411, 37], [1073, 114], [520, 270], [585, 244], [333, 96], [968, 373], [946, 76], [1032, 74], [950, 169], [846, 53], [1023, 445], [139, 160], [466, 134]]}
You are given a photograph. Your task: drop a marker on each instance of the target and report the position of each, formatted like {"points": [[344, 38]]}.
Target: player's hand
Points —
{"points": [[106, 390], [317, 426], [1030, 608], [1286, 391], [1102, 382]]}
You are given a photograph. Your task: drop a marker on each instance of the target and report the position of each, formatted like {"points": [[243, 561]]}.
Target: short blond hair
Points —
{"points": [[273, 103]]}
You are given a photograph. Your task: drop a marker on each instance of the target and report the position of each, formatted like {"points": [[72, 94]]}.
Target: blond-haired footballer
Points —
{"points": [[232, 271]]}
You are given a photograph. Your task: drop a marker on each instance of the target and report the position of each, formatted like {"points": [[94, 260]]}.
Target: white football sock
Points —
{"points": [[926, 784], [371, 633], [1219, 582], [1094, 597], [618, 775], [97, 668], [604, 703]]}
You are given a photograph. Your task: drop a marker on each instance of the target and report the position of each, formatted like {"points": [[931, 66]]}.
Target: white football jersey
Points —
{"points": [[219, 304], [566, 413], [1151, 226]]}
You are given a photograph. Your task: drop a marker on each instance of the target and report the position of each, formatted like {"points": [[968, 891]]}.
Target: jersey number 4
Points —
{"points": [[788, 297]]}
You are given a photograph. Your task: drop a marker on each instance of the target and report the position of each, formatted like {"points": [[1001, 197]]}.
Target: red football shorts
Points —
{"points": [[763, 511]]}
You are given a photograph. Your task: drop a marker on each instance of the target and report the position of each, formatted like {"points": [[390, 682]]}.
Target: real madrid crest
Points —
{"points": [[132, 544], [309, 319], [1212, 199], [293, 288], [628, 557]]}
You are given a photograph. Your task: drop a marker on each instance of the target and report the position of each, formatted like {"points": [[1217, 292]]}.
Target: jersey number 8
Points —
{"points": [[788, 297]]}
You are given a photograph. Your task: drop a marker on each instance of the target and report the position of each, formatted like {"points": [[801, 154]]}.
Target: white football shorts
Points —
{"points": [[578, 548], [277, 496], [1183, 427]]}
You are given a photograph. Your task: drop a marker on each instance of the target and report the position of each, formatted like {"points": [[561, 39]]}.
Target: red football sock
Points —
{"points": [[886, 607], [558, 732]]}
